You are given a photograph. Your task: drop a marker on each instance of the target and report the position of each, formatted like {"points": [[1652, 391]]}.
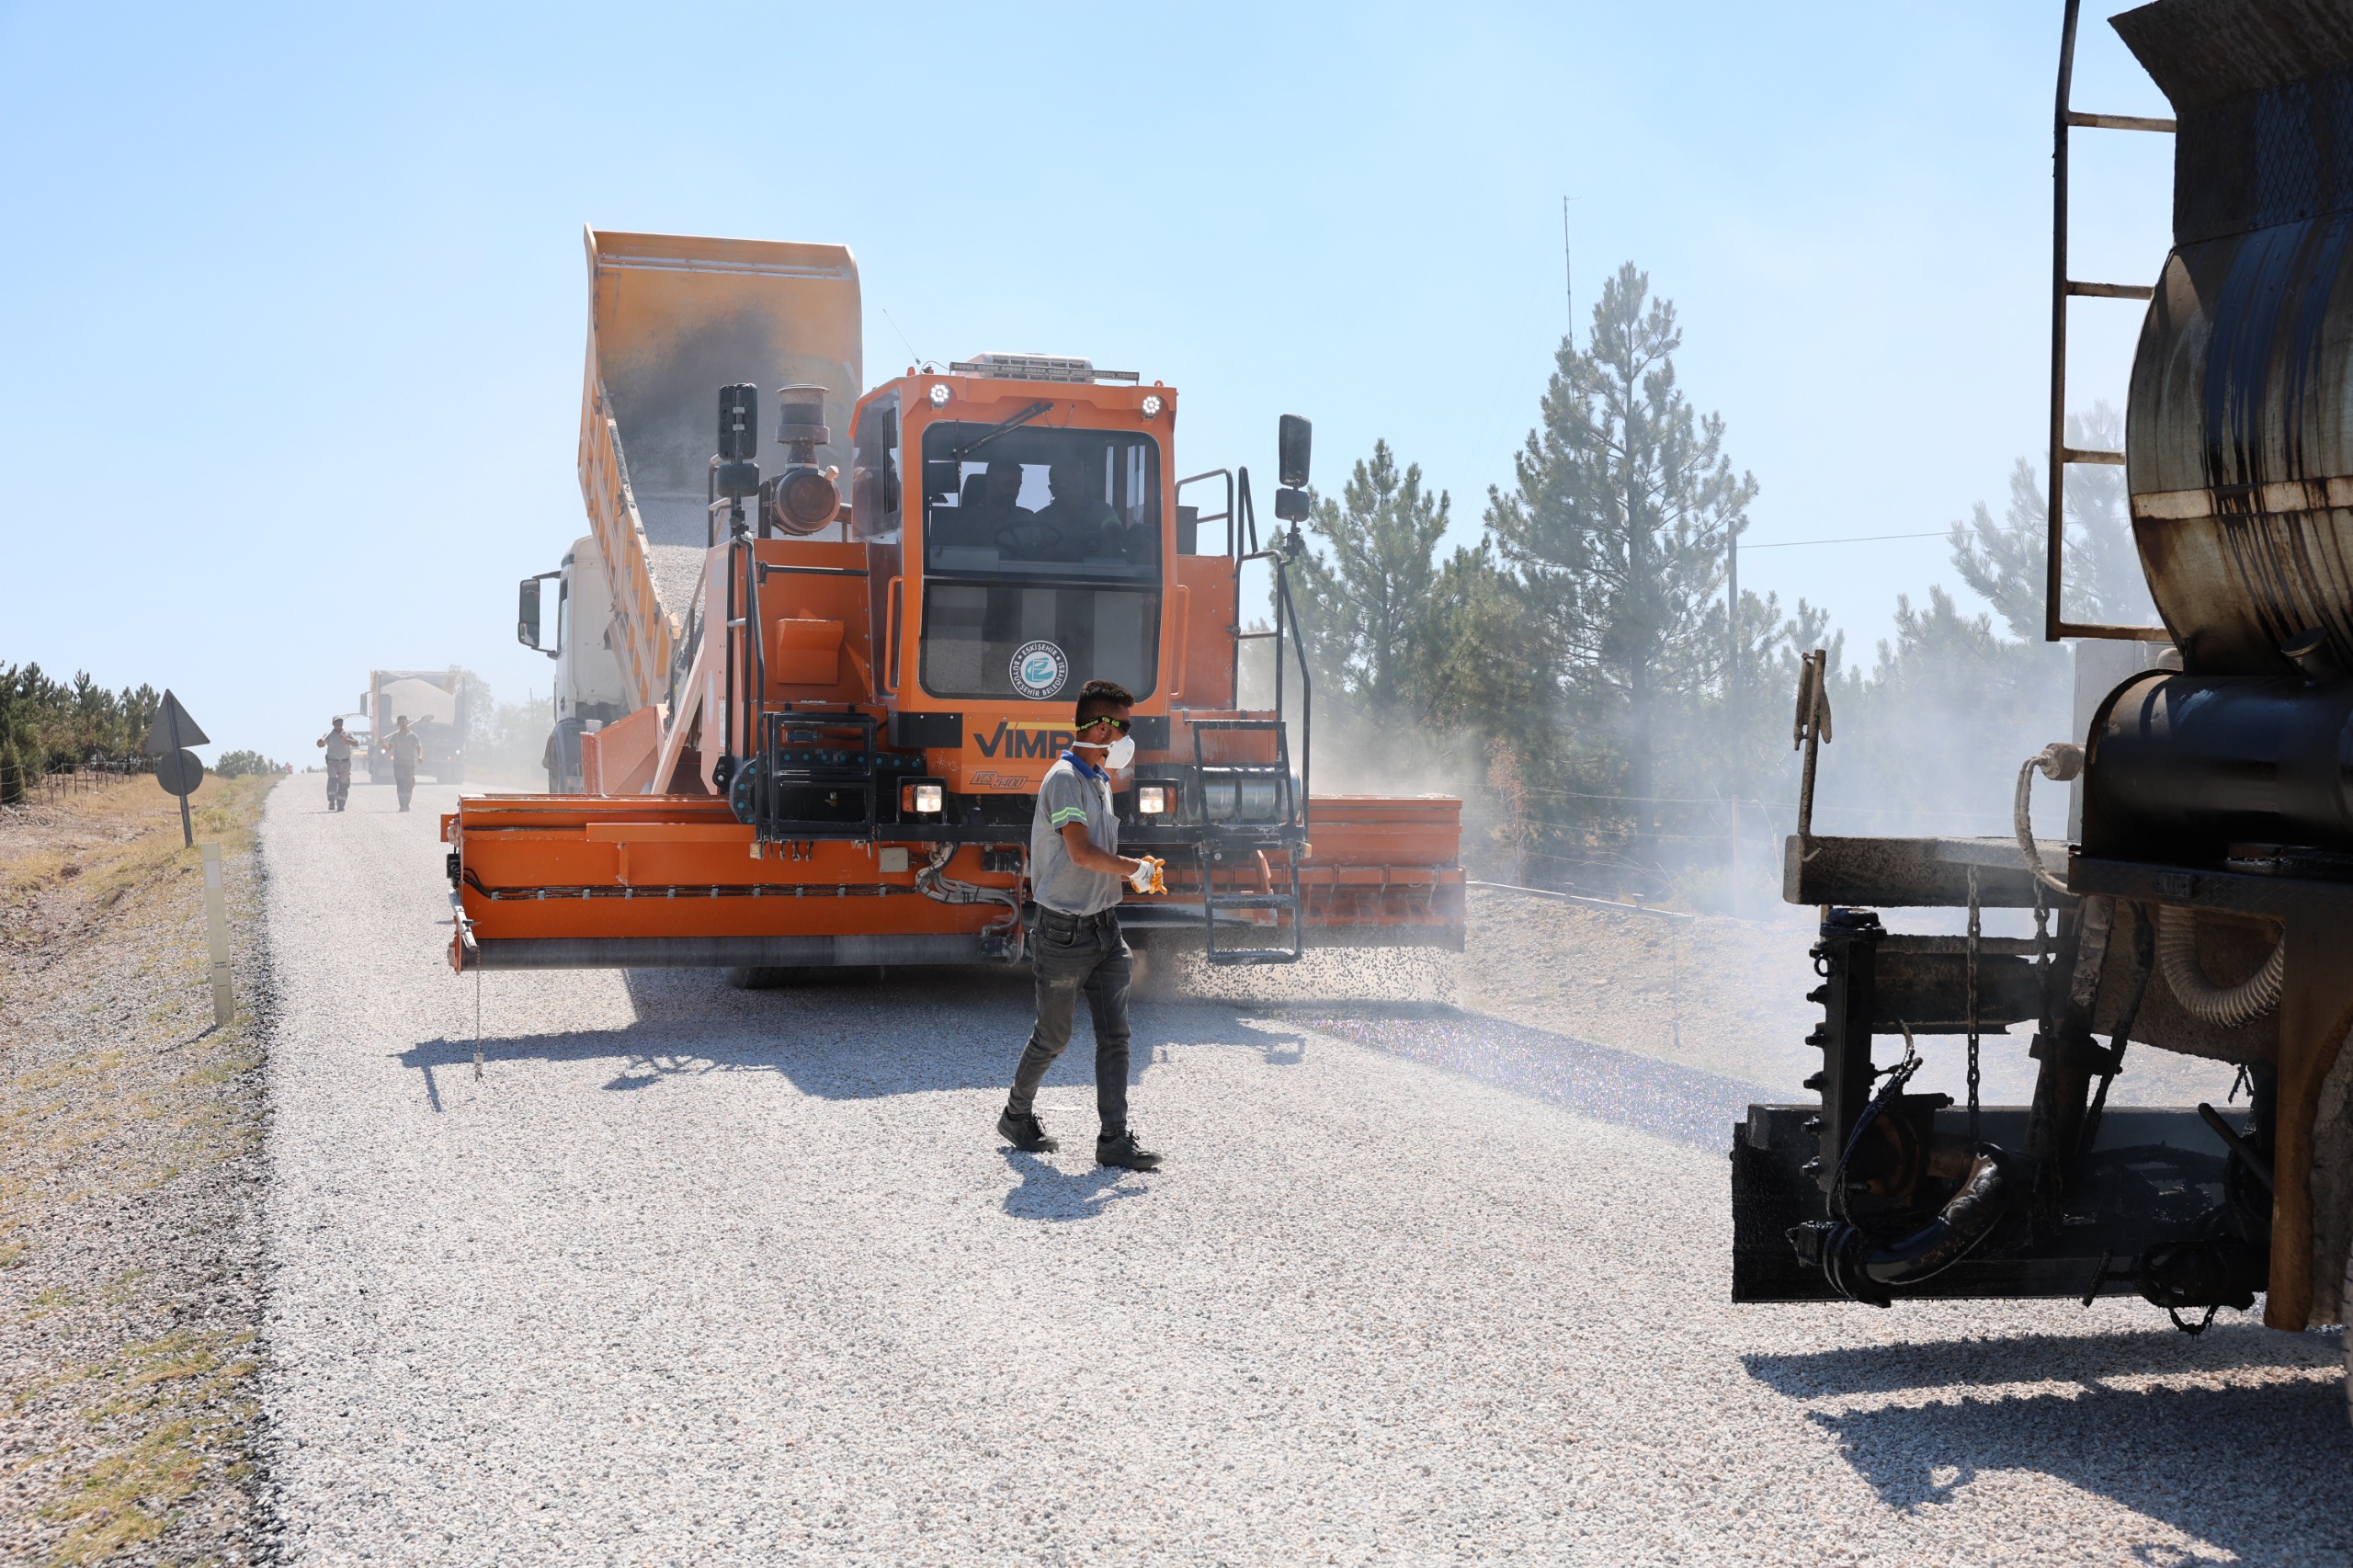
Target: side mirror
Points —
{"points": [[739, 423], [1294, 439], [1294, 436], [739, 441], [528, 621]]}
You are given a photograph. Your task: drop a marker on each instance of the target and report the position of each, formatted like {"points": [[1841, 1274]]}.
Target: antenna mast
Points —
{"points": [[1568, 267]]}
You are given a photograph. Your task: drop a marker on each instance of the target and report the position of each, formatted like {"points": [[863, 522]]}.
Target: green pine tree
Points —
{"points": [[1615, 529], [1366, 593]]}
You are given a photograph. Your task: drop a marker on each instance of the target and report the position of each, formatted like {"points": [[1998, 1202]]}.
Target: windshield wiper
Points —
{"points": [[967, 448]]}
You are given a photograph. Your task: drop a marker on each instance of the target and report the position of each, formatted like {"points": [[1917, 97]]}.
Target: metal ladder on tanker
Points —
{"points": [[1287, 831], [2055, 624]]}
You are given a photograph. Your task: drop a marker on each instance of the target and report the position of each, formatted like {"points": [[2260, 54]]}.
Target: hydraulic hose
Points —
{"points": [[935, 883], [1863, 1269], [2060, 762], [2224, 1006], [1959, 1226]]}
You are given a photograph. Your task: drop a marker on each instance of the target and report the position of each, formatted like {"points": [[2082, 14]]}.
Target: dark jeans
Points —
{"points": [[1071, 953], [405, 780]]}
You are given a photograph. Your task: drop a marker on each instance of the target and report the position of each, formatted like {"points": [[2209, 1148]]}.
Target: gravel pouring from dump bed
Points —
{"points": [[698, 1276]]}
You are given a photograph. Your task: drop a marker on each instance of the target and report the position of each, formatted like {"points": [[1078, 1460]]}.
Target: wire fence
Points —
{"points": [[21, 785]]}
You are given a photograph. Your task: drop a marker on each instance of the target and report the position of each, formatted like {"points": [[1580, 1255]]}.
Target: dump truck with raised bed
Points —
{"points": [[2203, 902], [804, 716]]}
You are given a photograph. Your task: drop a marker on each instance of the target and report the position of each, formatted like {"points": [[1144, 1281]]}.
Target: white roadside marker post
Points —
{"points": [[216, 923]]}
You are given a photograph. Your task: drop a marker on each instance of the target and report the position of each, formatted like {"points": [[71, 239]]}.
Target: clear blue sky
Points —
{"points": [[292, 313]]}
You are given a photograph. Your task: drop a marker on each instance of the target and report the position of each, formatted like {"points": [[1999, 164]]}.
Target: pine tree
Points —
{"points": [[1616, 530], [2005, 562], [1365, 595]]}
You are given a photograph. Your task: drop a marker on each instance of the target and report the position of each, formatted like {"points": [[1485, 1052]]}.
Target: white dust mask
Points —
{"points": [[1121, 752]]}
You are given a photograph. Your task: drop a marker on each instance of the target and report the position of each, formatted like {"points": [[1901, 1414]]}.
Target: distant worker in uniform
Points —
{"points": [[407, 750], [339, 746], [1077, 871]]}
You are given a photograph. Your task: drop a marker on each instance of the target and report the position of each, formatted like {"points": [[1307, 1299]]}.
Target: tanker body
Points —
{"points": [[2206, 904]]}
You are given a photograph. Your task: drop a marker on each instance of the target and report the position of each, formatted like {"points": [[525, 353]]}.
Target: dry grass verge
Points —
{"points": [[129, 1138]]}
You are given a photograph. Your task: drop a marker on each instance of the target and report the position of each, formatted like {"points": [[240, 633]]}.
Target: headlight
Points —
{"points": [[930, 798], [1150, 405], [1151, 800], [938, 394]]}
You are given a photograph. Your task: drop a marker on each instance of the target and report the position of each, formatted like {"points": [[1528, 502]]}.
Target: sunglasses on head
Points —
{"points": [[1119, 724]]}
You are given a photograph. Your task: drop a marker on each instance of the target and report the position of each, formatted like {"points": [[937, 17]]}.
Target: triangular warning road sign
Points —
{"points": [[164, 737]]}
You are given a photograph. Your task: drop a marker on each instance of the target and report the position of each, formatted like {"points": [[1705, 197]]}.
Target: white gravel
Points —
{"points": [[695, 1276]]}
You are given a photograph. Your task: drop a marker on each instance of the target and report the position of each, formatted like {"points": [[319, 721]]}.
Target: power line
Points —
{"points": [[1859, 538]]}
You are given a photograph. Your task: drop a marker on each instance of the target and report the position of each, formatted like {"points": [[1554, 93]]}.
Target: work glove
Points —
{"points": [[1146, 877]]}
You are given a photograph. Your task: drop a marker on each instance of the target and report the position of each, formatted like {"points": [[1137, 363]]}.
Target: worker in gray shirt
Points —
{"points": [[338, 746], [1077, 875], [406, 748]]}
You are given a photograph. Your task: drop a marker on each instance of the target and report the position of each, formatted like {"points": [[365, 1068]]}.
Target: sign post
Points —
{"points": [[179, 771]]}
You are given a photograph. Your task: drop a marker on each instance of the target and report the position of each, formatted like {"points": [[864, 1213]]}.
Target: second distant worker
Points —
{"points": [[407, 749]]}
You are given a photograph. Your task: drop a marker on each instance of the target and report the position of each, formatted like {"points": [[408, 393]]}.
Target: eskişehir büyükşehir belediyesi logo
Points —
{"points": [[1039, 670]]}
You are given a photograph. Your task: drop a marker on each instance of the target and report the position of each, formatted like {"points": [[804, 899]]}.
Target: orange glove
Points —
{"points": [[1146, 877]]}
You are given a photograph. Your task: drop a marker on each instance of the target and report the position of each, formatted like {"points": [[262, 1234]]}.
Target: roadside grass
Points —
{"points": [[175, 1401], [136, 1420]]}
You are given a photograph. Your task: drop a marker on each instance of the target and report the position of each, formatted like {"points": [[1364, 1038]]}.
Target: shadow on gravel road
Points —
{"points": [[1047, 1193], [919, 1032], [2254, 1467], [916, 1033], [1670, 1101]]}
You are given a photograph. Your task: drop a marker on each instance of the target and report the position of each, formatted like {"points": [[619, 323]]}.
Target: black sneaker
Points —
{"points": [[1123, 1150], [1025, 1132]]}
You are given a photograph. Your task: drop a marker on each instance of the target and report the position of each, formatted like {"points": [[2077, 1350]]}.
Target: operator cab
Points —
{"points": [[1041, 524]]}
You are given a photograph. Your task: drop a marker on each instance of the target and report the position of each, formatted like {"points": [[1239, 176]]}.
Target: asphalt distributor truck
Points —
{"points": [[2205, 903]]}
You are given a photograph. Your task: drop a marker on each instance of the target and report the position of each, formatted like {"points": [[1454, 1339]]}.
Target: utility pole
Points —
{"points": [[1732, 685]]}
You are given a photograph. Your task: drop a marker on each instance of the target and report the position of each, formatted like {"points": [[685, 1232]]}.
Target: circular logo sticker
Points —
{"points": [[1039, 669]]}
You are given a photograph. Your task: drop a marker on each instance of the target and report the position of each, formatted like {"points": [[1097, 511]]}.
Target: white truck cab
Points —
{"points": [[575, 631]]}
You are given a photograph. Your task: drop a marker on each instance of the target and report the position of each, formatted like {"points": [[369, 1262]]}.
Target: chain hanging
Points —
{"points": [[1973, 930], [2043, 955]]}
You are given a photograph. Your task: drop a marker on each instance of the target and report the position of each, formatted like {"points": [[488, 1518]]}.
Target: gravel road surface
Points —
{"points": [[693, 1275]]}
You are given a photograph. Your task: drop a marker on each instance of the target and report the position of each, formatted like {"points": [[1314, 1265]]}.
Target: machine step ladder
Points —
{"points": [[1222, 845]]}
